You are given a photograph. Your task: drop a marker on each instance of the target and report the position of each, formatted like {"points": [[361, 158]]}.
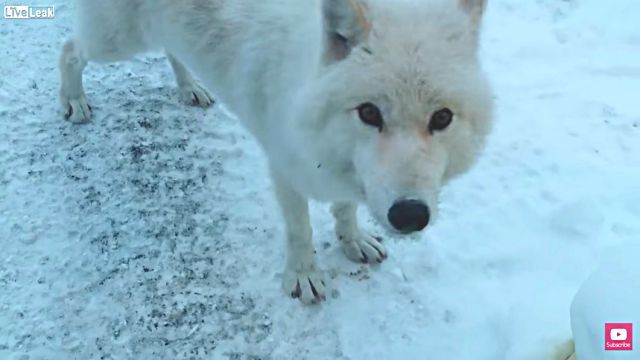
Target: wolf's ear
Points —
{"points": [[346, 24], [475, 9]]}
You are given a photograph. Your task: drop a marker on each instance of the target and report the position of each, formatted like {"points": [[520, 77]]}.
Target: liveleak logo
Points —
{"points": [[618, 336], [28, 12]]}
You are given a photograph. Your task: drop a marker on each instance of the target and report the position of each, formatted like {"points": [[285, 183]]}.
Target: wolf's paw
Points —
{"points": [[194, 94], [306, 285], [76, 110], [363, 248]]}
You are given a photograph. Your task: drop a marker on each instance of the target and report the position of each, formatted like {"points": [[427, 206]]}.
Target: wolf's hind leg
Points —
{"points": [[357, 245], [72, 98], [190, 91], [302, 279]]}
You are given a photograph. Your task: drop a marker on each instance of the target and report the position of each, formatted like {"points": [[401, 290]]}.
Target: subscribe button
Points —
{"points": [[618, 336]]}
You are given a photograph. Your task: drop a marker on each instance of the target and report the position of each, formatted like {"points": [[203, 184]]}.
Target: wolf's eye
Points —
{"points": [[371, 115], [440, 120]]}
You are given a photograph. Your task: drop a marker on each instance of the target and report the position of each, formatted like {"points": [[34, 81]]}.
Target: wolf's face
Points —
{"points": [[405, 84]]}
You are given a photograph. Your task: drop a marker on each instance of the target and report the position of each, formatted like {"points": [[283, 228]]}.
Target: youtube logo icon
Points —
{"points": [[618, 336]]}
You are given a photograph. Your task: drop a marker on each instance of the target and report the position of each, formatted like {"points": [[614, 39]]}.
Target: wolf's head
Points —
{"points": [[408, 96]]}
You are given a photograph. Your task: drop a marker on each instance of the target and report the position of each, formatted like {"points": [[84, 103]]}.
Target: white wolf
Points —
{"points": [[373, 101]]}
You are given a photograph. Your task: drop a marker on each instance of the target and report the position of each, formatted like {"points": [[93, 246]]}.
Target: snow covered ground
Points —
{"points": [[609, 296], [152, 232]]}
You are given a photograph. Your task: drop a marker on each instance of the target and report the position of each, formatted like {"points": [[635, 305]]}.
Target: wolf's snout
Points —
{"points": [[409, 216]]}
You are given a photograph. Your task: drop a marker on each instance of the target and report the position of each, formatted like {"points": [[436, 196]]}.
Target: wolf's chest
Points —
{"points": [[324, 181]]}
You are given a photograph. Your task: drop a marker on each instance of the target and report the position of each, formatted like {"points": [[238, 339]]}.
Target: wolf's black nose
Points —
{"points": [[409, 215]]}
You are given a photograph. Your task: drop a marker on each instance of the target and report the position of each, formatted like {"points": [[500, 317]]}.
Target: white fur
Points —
{"points": [[278, 66]]}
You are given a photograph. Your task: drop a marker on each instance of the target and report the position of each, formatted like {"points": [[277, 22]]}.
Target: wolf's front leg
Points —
{"points": [[191, 92], [357, 245], [72, 98], [301, 278]]}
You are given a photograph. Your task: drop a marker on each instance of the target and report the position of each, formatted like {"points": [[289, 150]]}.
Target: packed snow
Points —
{"points": [[152, 231], [610, 295]]}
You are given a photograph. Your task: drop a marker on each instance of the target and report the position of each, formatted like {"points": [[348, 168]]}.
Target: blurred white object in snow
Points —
{"points": [[610, 295]]}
